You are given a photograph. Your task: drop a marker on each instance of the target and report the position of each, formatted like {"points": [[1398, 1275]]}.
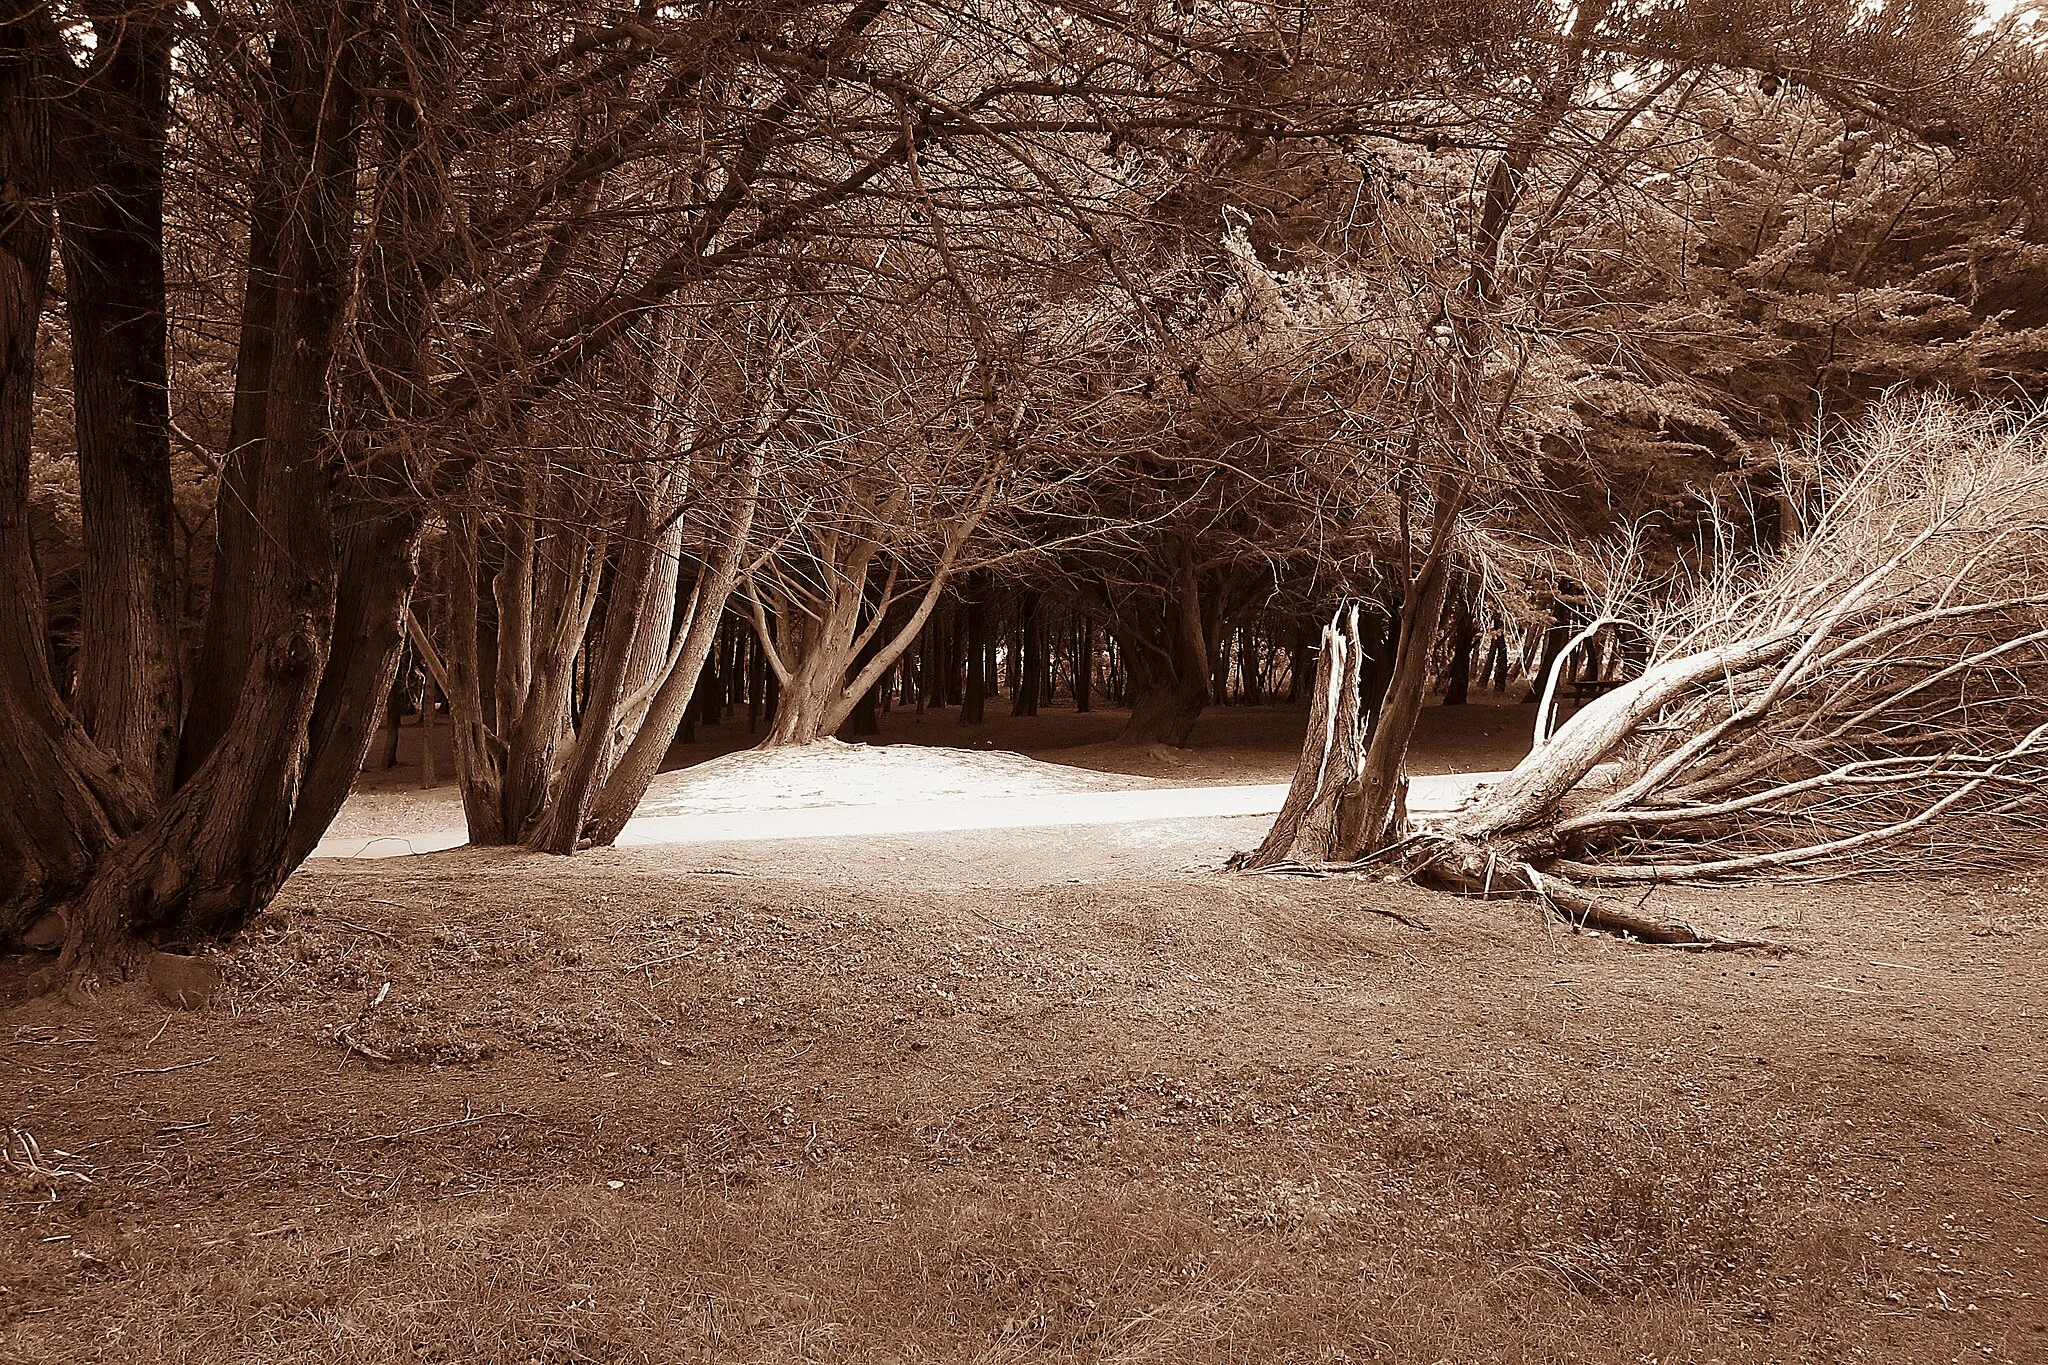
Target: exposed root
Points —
{"points": [[1470, 869]]}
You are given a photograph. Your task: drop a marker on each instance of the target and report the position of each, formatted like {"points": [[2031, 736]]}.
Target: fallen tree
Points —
{"points": [[1873, 697]]}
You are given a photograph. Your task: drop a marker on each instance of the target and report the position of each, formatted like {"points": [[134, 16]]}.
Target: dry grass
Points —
{"points": [[643, 1115]]}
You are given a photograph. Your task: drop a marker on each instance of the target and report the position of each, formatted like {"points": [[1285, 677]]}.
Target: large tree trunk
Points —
{"points": [[562, 828], [837, 643], [379, 563], [228, 642], [1332, 756], [69, 800], [112, 242], [1166, 652], [214, 853], [568, 570]]}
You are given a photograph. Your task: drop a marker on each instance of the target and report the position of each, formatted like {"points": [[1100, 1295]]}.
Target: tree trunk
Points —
{"points": [[1084, 666], [379, 563], [397, 703], [629, 778], [1464, 644], [228, 641], [55, 827], [1029, 666], [214, 853], [974, 693], [561, 828], [1166, 662], [1555, 637], [755, 684], [1376, 818], [479, 752], [129, 695], [1496, 673], [1165, 700], [862, 722], [1332, 756]]}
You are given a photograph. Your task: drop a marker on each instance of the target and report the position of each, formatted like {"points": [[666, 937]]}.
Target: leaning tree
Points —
{"points": [[1872, 696]]}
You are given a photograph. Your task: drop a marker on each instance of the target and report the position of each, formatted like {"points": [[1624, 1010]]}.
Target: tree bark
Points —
{"points": [[111, 238], [1166, 663], [1496, 672], [1464, 644], [628, 780], [215, 853], [974, 692], [228, 641], [1166, 698], [1305, 831], [56, 826], [1084, 666], [562, 828], [1374, 818], [1030, 664], [379, 564]]}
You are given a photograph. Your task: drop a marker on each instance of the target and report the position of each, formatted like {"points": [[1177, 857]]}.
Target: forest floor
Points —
{"points": [[1039, 1094]]}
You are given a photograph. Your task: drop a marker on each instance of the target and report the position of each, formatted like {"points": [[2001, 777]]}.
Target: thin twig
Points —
{"points": [[439, 1127]]}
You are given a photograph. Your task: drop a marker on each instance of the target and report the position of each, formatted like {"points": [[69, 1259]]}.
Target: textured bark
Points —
{"points": [[568, 567], [215, 852], [1166, 645], [835, 647], [512, 589], [1464, 645], [628, 780], [111, 238], [1031, 656], [380, 518], [1166, 698], [1331, 756], [379, 564], [479, 754], [54, 828], [1495, 673], [1084, 666], [562, 828], [1374, 817], [1532, 792], [228, 640]]}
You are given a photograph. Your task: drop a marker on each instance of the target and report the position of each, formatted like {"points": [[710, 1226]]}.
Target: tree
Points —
{"points": [[1872, 688], [1352, 773]]}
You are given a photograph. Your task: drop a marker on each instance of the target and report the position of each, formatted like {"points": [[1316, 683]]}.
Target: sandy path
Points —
{"points": [[703, 825]]}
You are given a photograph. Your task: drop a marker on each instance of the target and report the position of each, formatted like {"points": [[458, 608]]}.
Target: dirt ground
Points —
{"points": [[1037, 1095]]}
